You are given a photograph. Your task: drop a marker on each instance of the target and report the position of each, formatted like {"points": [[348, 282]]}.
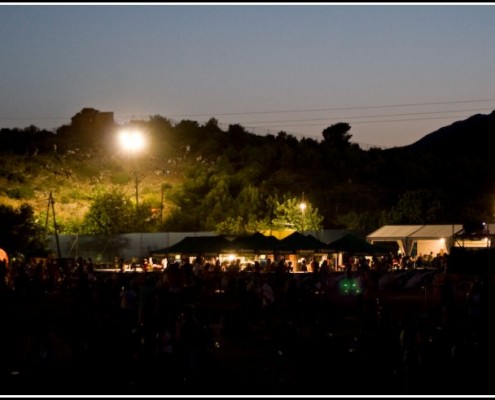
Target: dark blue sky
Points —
{"points": [[394, 72]]}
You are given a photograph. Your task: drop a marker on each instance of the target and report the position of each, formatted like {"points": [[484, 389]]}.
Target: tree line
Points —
{"points": [[236, 182]]}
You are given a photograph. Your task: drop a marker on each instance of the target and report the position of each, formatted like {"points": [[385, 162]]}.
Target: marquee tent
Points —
{"points": [[417, 239], [298, 242], [256, 243], [196, 245], [356, 246]]}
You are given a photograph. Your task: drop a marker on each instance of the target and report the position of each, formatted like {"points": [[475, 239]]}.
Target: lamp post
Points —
{"points": [[302, 206], [132, 142]]}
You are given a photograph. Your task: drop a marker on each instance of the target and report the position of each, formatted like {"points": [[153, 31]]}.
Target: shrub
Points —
{"points": [[20, 192], [120, 178]]}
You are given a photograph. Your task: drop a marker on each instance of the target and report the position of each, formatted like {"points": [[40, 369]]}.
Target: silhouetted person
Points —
{"points": [[447, 302], [192, 345], [3, 275]]}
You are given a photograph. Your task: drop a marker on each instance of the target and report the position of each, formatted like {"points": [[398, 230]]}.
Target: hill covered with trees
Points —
{"points": [[195, 177]]}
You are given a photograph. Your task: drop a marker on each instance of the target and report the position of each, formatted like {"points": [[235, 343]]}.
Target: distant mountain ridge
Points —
{"points": [[470, 137]]}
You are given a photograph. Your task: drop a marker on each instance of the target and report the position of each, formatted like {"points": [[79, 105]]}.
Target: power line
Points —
{"points": [[359, 116], [280, 111], [307, 122], [338, 108], [355, 122], [36, 118]]}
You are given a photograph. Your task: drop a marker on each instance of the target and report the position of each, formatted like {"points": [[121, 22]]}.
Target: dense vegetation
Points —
{"points": [[194, 177]]}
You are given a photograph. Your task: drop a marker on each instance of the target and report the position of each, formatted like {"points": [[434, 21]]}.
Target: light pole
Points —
{"points": [[132, 142], [302, 206]]}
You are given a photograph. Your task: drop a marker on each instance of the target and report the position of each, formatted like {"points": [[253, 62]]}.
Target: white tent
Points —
{"points": [[435, 239], [423, 239]]}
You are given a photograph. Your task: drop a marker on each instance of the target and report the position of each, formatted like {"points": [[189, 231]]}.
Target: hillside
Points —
{"points": [[471, 138], [76, 176], [351, 187]]}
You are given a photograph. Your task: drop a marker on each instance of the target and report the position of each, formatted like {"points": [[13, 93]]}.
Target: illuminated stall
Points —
{"points": [[298, 249], [414, 240]]}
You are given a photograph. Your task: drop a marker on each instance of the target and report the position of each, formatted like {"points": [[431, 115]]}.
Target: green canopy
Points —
{"points": [[196, 245], [298, 242], [256, 243]]}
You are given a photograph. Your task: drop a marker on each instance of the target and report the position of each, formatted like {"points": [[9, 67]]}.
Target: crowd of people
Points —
{"points": [[77, 330]]}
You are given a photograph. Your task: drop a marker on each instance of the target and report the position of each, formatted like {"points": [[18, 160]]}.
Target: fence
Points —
{"points": [[103, 249]]}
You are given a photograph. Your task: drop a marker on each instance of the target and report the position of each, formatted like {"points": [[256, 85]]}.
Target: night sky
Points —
{"points": [[395, 72]]}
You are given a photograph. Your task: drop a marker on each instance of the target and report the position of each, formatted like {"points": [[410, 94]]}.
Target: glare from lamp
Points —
{"points": [[132, 141]]}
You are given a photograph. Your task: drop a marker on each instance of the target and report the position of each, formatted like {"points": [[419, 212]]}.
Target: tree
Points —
{"points": [[337, 135], [421, 206], [113, 213], [212, 126], [231, 226], [247, 215], [216, 201], [288, 214], [21, 234], [362, 222]]}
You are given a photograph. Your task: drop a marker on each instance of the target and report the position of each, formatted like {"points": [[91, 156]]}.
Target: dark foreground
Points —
{"points": [[218, 337]]}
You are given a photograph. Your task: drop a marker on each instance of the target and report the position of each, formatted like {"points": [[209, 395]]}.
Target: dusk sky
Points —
{"points": [[394, 72]]}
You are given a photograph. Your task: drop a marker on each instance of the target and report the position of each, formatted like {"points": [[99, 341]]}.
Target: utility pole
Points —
{"points": [[51, 202], [137, 185], [161, 206], [165, 186]]}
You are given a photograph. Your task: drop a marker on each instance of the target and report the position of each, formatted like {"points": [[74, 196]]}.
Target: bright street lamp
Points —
{"points": [[132, 142]]}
